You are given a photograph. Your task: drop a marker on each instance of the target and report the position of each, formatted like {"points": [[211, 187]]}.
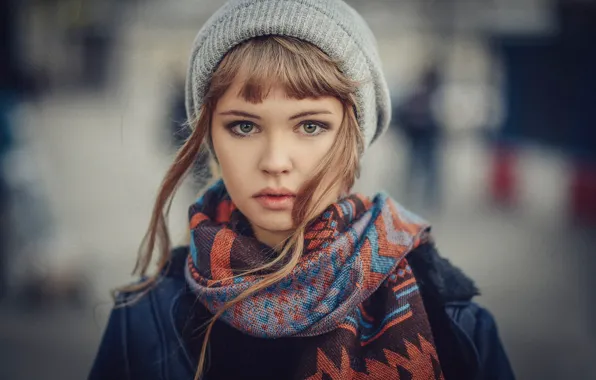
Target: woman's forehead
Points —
{"points": [[246, 91], [278, 102], [255, 84]]}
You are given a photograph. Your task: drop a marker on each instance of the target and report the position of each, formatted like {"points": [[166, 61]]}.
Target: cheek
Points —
{"points": [[308, 154], [230, 155], [227, 162]]}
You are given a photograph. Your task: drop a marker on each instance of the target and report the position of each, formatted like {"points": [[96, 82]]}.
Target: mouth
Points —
{"points": [[275, 199], [271, 192]]}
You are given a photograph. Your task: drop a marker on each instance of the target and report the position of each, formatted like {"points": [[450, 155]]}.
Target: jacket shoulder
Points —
{"points": [[456, 320], [477, 327], [138, 329], [167, 284]]}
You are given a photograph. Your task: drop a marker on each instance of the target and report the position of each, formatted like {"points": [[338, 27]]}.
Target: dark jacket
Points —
{"points": [[160, 336]]}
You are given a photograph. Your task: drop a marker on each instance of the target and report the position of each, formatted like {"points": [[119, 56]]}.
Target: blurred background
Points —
{"points": [[493, 141]]}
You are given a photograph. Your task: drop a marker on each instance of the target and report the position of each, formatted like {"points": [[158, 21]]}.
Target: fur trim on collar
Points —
{"points": [[439, 277]]}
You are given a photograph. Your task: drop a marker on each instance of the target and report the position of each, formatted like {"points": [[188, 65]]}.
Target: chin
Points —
{"points": [[273, 221]]}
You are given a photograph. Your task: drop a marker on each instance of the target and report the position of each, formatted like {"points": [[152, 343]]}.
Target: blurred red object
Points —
{"points": [[583, 192], [503, 186]]}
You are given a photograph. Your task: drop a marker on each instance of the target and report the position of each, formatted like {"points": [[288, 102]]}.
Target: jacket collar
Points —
{"points": [[438, 277]]}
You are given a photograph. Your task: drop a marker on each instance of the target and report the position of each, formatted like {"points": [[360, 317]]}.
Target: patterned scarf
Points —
{"points": [[353, 277]]}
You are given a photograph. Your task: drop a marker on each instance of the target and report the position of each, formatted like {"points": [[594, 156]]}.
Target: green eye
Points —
{"points": [[242, 128], [245, 127], [310, 128]]}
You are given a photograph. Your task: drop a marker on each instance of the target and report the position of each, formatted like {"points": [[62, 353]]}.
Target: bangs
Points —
{"points": [[301, 69]]}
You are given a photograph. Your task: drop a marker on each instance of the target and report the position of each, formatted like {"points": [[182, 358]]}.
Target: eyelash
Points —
{"points": [[230, 126], [234, 124]]}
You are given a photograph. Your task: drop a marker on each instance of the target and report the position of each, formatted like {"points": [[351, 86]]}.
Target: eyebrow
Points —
{"points": [[310, 113], [296, 116], [240, 113]]}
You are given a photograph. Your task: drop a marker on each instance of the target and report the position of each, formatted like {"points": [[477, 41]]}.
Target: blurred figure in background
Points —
{"points": [[422, 131]]}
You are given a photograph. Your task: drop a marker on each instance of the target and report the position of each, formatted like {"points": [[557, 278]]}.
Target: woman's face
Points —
{"points": [[267, 151]]}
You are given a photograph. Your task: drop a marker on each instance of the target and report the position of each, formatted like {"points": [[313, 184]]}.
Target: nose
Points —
{"points": [[275, 158]]}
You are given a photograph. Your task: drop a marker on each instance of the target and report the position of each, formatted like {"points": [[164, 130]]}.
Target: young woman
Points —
{"points": [[287, 275]]}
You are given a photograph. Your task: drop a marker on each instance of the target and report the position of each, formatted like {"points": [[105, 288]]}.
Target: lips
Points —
{"points": [[275, 199]]}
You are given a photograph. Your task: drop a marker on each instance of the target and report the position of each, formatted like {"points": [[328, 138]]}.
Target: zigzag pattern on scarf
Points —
{"points": [[419, 362]]}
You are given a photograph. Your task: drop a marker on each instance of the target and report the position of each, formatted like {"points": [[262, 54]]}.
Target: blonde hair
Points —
{"points": [[303, 71]]}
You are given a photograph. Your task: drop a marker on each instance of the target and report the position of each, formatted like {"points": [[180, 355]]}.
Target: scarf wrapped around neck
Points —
{"points": [[352, 276]]}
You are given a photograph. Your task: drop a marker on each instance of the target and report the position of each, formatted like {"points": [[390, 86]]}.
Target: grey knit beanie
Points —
{"points": [[331, 25]]}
